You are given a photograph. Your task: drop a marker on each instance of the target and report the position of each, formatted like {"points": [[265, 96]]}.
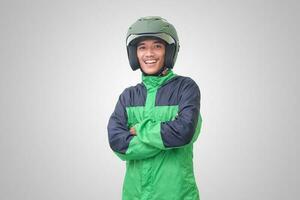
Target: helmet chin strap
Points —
{"points": [[161, 72]]}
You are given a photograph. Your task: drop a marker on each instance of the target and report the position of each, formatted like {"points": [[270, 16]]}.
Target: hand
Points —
{"points": [[132, 131]]}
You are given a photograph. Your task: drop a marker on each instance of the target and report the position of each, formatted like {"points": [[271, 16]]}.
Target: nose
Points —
{"points": [[149, 52]]}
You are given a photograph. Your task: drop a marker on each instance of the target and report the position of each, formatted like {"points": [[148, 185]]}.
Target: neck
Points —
{"points": [[162, 72]]}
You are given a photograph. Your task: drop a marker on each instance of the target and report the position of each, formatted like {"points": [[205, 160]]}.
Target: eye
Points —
{"points": [[141, 47], [158, 46]]}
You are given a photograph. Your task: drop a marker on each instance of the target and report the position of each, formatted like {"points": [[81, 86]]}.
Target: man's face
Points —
{"points": [[151, 55]]}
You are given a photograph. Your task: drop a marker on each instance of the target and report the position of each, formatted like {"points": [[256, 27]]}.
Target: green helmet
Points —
{"points": [[156, 27]]}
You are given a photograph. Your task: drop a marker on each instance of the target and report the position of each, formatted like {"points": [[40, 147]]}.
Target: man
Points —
{"points": [[156, 122]]}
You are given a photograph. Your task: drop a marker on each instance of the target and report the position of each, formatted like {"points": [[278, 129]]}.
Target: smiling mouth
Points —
{"points": [[149, 62]]}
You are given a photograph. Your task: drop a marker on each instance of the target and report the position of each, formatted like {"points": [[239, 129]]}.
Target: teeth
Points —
{"points": [[150, 61]]}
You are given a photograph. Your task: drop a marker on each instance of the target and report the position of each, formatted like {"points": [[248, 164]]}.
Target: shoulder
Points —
{"points": [[132, 89], [133, 95], [186, 83], [189, 90]]}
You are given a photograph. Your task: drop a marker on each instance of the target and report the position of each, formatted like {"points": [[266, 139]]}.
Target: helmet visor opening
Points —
{"points": [[134, 39], [137, 41]]}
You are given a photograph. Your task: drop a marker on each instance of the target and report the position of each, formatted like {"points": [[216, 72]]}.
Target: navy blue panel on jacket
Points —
{"points": [[135, 96], [180, 131], [118, 132]]}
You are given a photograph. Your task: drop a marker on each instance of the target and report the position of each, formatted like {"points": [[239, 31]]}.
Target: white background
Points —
{"points": [[64, 64]]}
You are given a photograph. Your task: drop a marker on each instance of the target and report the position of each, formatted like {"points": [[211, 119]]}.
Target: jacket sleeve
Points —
{"points": [[125, 145], [181, 131]]}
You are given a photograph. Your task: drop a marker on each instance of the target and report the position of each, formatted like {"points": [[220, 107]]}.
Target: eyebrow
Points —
{"points": [[156, 41]]}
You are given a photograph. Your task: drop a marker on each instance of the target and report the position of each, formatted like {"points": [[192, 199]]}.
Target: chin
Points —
{"points": [[151, 71], [148, 70]]}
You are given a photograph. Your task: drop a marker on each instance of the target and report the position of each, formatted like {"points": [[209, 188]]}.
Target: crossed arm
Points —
{"points": [[150, 137]]}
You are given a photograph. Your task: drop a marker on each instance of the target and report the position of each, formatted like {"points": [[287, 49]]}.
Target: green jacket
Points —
{"points": [[165, 112]]}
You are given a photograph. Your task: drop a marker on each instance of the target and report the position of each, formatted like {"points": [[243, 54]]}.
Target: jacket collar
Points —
{"points": [[154, 82]]}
